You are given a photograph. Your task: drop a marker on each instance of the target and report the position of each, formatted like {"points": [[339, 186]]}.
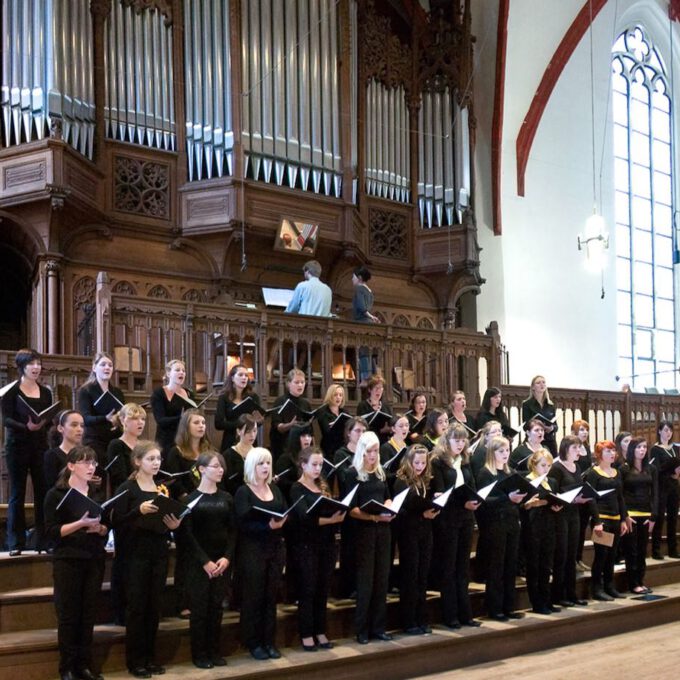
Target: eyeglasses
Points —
{"points": [[91, 463], [214, 467]]}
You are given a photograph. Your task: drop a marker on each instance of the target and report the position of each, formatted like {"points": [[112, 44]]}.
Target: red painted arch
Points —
{"points": [[497, 123], [563, 53]]}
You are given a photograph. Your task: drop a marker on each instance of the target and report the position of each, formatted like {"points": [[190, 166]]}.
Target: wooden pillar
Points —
{"points": [[52, 269]]}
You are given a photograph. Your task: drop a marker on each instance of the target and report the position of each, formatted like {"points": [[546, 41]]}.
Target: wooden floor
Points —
{"points": [[651, 653]]}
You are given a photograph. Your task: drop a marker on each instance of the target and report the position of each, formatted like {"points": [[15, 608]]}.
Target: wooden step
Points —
{"points": [[36, 651]]}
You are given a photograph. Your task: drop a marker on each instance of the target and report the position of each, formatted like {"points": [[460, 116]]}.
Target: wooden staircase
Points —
{"points": [[28, 648]]}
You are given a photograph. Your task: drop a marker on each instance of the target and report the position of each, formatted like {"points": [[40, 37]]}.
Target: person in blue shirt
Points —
{"points": [[311, 296]]}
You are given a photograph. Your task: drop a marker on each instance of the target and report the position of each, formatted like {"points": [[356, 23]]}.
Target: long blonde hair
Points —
{"points": [[367, 440], [493, 446]]}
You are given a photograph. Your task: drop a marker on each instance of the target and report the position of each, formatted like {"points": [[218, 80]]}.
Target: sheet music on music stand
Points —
{"points": [[277, 297]]}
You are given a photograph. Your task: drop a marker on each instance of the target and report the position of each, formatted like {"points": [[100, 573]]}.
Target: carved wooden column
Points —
{"points": [[52, 269], [100, 9], [103, 317]]}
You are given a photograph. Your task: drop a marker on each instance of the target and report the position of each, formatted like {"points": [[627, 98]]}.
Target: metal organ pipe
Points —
{"points": [[47, 71]]}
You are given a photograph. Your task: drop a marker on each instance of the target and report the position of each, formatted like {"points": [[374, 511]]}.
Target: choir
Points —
{"points": [[418, 481]]}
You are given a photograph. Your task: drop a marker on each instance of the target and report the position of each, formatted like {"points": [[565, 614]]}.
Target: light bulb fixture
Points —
{"points": [[594, 242]]}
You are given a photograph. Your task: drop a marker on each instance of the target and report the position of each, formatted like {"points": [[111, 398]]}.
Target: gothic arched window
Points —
{"points": [[642, 107]]}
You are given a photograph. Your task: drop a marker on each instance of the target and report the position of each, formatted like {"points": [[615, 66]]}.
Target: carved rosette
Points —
{"points": [[84, 292], [159, 292], [124, 288], [193, 295], [388, 234], [142, 187]]}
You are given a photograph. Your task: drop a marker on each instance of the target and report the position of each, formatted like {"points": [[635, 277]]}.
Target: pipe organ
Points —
{"points": [[47, 72]]}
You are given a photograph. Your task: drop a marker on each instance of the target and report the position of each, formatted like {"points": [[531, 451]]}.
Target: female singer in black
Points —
{"points": [[286, 466], [567, 476], [540, 520], [344, 456], [458, 411], [147, 566], [78, 566], [313, 550], [209, 535], [332, 429], [237, 388], [520, 457], [25, 445], [69, 427], [375, 388], [235, 456], [581, 429], [539, 404], [280, 425], [641, 496], [453, 528], [492, 409], [436, 425], [99, 414], [665, 458], [260, 554], [372, 540], [609, 514], [621, 441], [168, 402], [413, 527], [492, 430], [501, 527], [417, 411]]}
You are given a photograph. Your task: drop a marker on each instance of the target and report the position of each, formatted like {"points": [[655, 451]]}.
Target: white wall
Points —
{"points": [[548, 304]]}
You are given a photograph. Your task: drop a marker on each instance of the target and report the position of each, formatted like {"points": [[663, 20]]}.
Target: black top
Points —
{"points": [[371, 489], [641, 491], [184, 484], [121, 467], [286, 470], [53, 463], [167, 415], [343, 453], [362, 301], [233, 475], [209, 530], [226, 418], [665, 461], [497, 504], [364, 408], [531, 407], [331, 438], [565, 480], [129, 521], [443, 478], [277, 440], [410, 517], [79, 545], [611, 504], [305, 529], [255, 526], [584, 463], [483, 417], [17, 436], [519, 458], [98, 430]]}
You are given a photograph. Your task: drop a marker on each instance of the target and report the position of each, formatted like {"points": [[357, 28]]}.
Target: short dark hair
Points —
{"points": [[362, 273], [24, 357]]}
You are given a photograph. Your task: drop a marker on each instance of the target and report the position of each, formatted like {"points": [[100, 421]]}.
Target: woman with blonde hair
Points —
{"points": [[331, 418], [501, 533], [260, 554], [168, 402], [373, 539], [538, 405], [453, 528]]}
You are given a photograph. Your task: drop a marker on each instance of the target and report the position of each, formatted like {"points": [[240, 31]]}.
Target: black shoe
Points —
{"points": [[325, 645], [612, 592], [273, 652], [426, 630], [310, 648], [87, 674], [203, 663], [259, 653], [580, 603], [601, 596], [655, 556], [498, 617], [362, 639], [555, 609], [515, 615], [155, 669], [413, 630], [541, 610], [567, 603], [385, 637], [674, 554], [140, 672], [15, 553], [218, 661], [473, 623], [67, 675], [453, 625]]}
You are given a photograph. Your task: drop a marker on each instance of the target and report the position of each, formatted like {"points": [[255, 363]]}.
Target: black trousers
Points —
{"points": [[373, 570], [205, 596], [540, 552], [118, 576], [260, 565], [19, 463], [501, 544], [564, 564], [602, 569], [348, 557], [182, 559], [453, 544], [145, 583], [415, 554], [313, 565], [669, 502], [76, 594], [584, 514], [635, 550]]}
